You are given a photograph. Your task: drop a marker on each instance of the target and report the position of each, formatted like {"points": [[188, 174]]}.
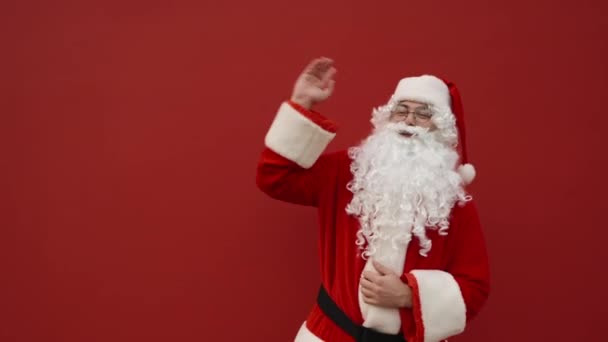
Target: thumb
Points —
{"points": [[330, 88], [383, 270]]}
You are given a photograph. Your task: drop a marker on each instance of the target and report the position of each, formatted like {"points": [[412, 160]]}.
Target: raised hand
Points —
{"points": [[315, 84]]}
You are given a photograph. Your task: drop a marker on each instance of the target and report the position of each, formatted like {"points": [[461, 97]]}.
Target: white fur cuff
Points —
{"points": [[441, 304], [305, 335], [296, 137]]}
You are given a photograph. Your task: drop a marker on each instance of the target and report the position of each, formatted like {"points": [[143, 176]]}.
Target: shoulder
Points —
{"points": [[466, 208], [334, 165], [464, 214], [337, 157]]}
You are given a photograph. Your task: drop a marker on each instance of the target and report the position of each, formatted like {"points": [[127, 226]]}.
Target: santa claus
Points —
{"points": [[401, 249]]}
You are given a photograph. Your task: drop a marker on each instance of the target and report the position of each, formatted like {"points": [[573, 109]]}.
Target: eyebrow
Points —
{"points": [[422, 106]]}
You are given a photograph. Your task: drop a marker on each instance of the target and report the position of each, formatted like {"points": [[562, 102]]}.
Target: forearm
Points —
{"points": [[289, 166]]}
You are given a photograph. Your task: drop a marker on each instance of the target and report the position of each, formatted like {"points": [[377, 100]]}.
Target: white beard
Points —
{"points": [[402, 186]]}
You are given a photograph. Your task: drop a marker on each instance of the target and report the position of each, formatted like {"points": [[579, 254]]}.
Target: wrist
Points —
{"points": [[406, 303], [406, 297], [302, 101]]}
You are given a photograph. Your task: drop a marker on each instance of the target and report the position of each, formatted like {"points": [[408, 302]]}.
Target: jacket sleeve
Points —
{"points": [[291, 166], [444, 301]]}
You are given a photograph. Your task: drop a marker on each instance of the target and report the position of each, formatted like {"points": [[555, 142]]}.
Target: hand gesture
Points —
{"points": [[315, 84]]}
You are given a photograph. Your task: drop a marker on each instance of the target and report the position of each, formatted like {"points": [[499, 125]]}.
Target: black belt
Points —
{"points": [[359, 333]]}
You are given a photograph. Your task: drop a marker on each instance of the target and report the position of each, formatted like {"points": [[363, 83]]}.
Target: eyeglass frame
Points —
{"points": [[418, 117]]}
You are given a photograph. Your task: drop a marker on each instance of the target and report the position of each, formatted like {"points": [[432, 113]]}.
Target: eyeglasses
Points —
{"points": [[421, 114]]}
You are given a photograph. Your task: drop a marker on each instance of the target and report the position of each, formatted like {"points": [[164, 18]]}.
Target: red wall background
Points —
{"points": [[130, 131]]}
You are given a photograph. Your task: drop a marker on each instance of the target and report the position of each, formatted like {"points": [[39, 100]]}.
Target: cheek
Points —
{"points": [[429, 125]]}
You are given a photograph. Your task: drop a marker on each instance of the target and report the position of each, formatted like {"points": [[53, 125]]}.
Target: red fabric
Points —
{"points": [[323, 186], [316, 117], [458, 111], [416, 312]]}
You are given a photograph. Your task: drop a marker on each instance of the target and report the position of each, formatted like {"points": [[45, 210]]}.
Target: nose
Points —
{"points": [[409, 120]]}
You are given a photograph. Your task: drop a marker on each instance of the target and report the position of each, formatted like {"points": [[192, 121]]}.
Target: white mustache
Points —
{"points": [[402, 127]]}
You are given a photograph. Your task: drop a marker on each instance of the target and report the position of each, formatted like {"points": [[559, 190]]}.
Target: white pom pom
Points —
{"points": [[467, 172]]}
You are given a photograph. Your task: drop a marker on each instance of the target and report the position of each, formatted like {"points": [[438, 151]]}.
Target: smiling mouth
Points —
{"points": [[405, 134]]}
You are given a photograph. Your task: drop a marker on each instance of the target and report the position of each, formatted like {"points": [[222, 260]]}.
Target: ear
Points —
{"points": [[467, 173]]}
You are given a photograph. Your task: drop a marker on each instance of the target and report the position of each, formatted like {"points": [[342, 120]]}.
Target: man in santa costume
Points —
{"points": [[401, 249]]}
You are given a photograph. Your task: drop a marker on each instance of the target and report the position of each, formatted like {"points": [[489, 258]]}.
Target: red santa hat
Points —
{"points": [[444, 98]]}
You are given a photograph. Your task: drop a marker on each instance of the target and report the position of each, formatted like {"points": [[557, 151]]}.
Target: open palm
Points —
{"points": [[315, 84]]}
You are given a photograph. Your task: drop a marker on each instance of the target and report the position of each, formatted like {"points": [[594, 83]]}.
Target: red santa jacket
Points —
{"points": [[450, 285]]}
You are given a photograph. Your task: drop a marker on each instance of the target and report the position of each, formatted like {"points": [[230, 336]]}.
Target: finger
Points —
{"points": [[317, 69], [368, 293], [366, 284], [383, 270], [329, 90], [313, 68], [311, 65], [371, 276], [325, 62], [328, 77], [320, 68], [369, 300]]}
